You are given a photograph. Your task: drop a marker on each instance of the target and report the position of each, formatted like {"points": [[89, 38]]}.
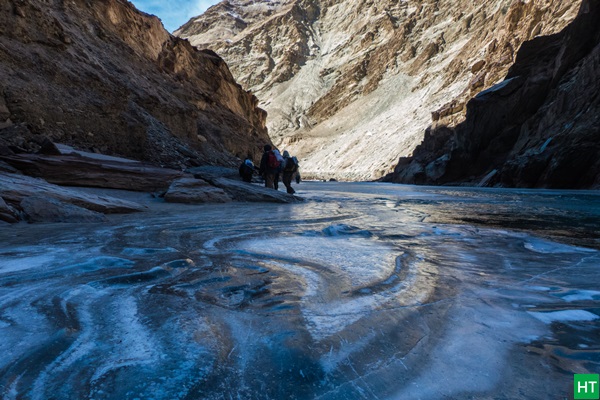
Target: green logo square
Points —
{"points": [[585, 386]]}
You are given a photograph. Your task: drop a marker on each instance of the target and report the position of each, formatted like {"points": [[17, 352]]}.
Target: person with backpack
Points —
{"points": [[279, 170], [290, 168], [269, 166], [247, 169]]}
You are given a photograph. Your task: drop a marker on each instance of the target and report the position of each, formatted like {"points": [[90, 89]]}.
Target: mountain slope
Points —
{"points": [[538, 128], [352, 85], [105, 77]]}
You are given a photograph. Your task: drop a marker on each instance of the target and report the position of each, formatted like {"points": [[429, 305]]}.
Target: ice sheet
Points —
{"points": [[364, 291]]}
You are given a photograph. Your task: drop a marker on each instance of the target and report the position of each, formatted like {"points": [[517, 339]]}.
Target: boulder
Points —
{"points": [[47, 209], [242, 191], [437, 168], [190, 190], [7, 213], [94, 170], [14, 188]]}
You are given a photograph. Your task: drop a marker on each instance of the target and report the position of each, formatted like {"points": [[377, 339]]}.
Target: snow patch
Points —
{"points": [[564, 316], [548, 247], [582, 295]]}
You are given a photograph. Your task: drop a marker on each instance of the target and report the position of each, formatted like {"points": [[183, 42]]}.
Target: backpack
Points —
{"points": [[246, 169], [291, 165], [272, 161]]}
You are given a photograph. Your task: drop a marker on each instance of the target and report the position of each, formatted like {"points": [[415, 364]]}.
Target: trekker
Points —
{"points": [[247, 169], [279, 170], [269, 165], [290, 168]]}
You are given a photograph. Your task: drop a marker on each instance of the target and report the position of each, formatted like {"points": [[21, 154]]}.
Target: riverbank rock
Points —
{"points": [[15, 188], [7, 213], [47, 209], [193, 191], [94, 170], [243, 191], [228, 179]]}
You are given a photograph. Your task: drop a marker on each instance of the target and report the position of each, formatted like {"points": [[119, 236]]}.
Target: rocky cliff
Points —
{"points": [[352, 85], [105, 77], [540, 127]]}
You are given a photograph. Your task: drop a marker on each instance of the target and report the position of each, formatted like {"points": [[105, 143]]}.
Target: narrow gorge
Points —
{"points": [[351, 86], [141, 259]]}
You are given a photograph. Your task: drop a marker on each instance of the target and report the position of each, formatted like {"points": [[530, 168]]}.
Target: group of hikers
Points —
{"points": [[273, 166]]}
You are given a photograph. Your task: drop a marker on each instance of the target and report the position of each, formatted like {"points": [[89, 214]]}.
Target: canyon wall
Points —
{"points": [[351, 86], [105, 77], [540, 127]]}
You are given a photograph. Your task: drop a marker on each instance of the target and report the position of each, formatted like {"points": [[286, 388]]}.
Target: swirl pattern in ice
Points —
{"points": [[358, 293]]}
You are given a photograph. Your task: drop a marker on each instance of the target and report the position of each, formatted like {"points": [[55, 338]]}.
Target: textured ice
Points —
{"points": [[544, 246], [24, 258], [342, 229], [361, 261], [97, 263], [147, 251], [564, 316], [364, 291], [20, 264], [454, 368]]}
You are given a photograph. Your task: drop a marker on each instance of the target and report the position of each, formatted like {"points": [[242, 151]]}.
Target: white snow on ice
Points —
{"points": [[579, 295], [548, 247], [564, 316]]}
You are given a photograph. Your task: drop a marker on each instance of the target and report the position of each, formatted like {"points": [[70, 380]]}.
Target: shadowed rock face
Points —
{"points": [[103, 76], [42, 209], [350, 86], [42, 201], [82, 170], [194, 191], [537, 128]]}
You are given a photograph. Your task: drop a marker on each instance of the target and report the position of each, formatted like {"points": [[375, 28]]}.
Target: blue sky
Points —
{"points": [[174, 13]]}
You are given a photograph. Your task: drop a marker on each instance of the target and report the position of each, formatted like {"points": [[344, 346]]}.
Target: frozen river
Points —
{"points": [[364, 291]]}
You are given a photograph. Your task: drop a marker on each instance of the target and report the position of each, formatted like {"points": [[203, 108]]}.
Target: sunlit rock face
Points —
{"points": [[103, 76], [350, 86], [537, 128]]}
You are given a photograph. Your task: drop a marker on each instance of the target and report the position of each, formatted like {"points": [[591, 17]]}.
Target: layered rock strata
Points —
{"points": [[105, 77], [35, 200], [194, 191], [352, 85], [82, 170], [540, 127]]}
